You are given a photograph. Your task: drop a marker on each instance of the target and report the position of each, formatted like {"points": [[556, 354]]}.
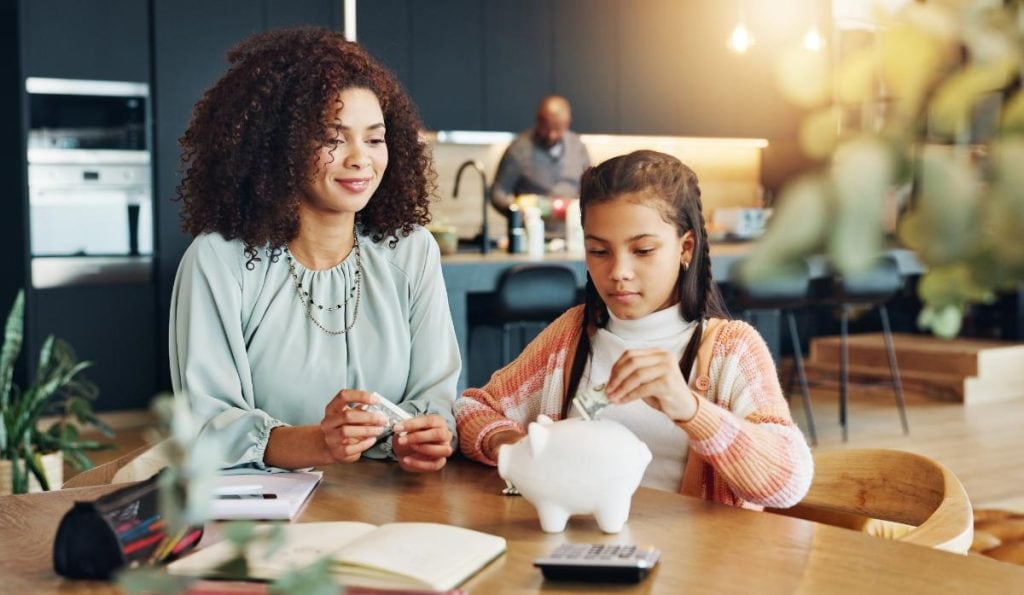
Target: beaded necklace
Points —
{"points": [[307, 300]]}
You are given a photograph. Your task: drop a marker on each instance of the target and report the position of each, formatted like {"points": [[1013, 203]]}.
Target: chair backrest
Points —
{"points": [[892, 485], [875, 285], [539, 292], [786, 289]]}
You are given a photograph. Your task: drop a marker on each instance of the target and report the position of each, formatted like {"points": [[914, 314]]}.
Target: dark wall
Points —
{"points": [[14, 222], [658, 67]]}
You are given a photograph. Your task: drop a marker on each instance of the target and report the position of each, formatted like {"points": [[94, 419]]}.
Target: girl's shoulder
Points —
{"points": [[731, 334]]}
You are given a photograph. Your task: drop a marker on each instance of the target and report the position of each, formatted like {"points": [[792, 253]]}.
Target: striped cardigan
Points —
{"points": [[744, 448]]}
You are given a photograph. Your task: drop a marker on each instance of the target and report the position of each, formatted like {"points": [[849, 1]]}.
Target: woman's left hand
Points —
{"points": [[422, 443], [654, 376]]}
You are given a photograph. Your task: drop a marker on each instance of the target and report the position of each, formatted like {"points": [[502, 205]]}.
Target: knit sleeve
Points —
{"points": [[744, 429], [516, 394]]}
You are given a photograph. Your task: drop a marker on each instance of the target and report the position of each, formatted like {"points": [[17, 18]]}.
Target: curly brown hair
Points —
{"points": [[247, 152]]}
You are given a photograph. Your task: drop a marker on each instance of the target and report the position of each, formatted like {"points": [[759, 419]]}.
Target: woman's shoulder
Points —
{"points": [[213, 250], [409, 253]]}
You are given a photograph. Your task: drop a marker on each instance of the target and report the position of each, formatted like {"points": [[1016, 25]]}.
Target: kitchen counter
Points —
{"points": [[466, 273]]}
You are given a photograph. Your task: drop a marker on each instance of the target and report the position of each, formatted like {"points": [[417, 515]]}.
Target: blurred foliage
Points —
{"points": [[57, 388], [924, 116], [186, 488]]}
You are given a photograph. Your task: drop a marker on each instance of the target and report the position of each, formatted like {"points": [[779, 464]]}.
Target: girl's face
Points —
{"points": [[348, 170], [633, 255]]}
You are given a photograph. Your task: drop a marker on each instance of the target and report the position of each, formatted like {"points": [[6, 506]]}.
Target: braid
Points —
{"points": [[594, 316]]}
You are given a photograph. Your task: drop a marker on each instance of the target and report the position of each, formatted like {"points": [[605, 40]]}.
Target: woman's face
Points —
{"points": [[349, 168], [633, 255]]}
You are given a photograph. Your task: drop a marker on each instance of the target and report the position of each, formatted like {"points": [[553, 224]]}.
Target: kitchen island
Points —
{"points": [[478, 273]]}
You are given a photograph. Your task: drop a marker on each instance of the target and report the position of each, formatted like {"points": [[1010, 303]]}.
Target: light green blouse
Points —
{"points": [[243, 349]]}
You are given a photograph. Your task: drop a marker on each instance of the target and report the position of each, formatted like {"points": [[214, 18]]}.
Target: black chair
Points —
{"points": [[871, 288], [784, 294], [531, 295]]}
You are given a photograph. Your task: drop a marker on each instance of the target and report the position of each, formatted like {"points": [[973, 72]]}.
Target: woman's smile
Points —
{"points": [[355, 185]]}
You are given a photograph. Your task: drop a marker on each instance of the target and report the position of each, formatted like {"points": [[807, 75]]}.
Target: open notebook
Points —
{"points": [[396, 555]]}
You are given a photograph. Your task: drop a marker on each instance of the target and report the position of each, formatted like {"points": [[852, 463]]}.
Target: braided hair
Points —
{"points": [[670, 187]]}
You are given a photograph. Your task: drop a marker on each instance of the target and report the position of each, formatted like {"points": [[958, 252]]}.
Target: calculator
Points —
{"points": [[593, 562]]}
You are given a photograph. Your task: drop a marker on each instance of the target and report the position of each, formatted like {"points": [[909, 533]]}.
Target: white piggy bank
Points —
{"points": [[576, 467]]}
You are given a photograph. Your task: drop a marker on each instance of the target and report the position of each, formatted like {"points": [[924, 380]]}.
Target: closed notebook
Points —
{"points": [[396, 555], [269, 496]]}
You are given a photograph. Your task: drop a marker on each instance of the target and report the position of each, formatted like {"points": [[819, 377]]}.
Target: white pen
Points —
{"points": [[249, 488]]}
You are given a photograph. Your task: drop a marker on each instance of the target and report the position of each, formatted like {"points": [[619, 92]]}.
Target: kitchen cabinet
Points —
{"points": [[585, 61], [446, 68], [111, 325], [383, 27], [85, 39], [517, 66]]}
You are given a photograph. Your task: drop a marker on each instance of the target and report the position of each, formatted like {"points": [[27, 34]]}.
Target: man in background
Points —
{"points": [[545, 161]]}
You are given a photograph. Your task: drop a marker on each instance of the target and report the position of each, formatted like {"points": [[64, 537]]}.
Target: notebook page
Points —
{"points": [[304, 544], [439, 556]]}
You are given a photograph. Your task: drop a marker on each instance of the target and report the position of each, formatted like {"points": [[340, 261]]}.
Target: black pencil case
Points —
{"points": [[124, 528]]}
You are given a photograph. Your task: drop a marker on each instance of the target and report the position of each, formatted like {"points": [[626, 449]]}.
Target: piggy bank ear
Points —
{"points": [[544, 420], [537, 436]]}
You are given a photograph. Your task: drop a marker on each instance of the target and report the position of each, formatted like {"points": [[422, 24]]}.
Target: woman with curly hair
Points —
{"points": [[311, 290]]}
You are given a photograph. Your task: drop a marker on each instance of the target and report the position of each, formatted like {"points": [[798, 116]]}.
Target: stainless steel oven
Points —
{"points": [[90, 181]]}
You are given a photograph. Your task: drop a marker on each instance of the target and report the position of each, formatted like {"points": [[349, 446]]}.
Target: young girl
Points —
{"points": [[651, 306], [311, 283]]}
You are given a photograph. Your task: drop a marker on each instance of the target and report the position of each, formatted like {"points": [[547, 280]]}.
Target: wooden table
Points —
{"points": [[706, 547]]}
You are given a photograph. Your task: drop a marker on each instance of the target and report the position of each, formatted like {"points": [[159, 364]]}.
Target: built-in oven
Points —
{"points": [[90, 181]]}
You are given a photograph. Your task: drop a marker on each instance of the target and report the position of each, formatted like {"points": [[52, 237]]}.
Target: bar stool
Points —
{"points": [[871, 288], [782, 293], [531, 295]]}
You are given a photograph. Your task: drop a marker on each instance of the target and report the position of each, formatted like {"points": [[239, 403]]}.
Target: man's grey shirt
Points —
{"points": [[528, 168]]}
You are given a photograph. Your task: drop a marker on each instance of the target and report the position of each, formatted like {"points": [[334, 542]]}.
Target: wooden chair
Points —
{"points": [[889, 493], [104, 474]]}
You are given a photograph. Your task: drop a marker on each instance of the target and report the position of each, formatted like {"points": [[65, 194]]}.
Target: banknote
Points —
{"points": [[591, 402]]}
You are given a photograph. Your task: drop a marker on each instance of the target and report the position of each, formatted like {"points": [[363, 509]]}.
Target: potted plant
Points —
{"points": [[29, 456]]}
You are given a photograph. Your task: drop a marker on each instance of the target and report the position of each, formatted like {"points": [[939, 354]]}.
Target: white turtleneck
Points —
{"points": [[668, 330]]}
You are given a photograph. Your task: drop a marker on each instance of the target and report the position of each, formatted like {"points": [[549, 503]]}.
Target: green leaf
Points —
{"points": [[35, 464], [13, 335]]}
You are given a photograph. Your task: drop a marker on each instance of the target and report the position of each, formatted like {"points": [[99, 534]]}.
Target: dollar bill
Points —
{"points": [[392, 412], [591, 402]]}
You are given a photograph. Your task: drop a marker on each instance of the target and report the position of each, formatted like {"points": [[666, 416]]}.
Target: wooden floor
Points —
{"points": [[983, 444]]}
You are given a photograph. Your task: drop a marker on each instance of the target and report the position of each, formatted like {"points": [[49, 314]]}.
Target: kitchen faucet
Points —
{"points": [[485, 241]]}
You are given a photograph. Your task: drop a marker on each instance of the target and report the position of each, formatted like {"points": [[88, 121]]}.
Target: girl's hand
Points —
{"points": [[654, 376], [422, 443], [349, 431]]}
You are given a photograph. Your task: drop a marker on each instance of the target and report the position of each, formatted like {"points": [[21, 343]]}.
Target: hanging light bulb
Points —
{"points": [[814, 41], [740, 40]]}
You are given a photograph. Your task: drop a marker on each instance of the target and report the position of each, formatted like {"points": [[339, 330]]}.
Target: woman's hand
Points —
{"points": [[349, 431], [422, 443], [654, 376]]}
